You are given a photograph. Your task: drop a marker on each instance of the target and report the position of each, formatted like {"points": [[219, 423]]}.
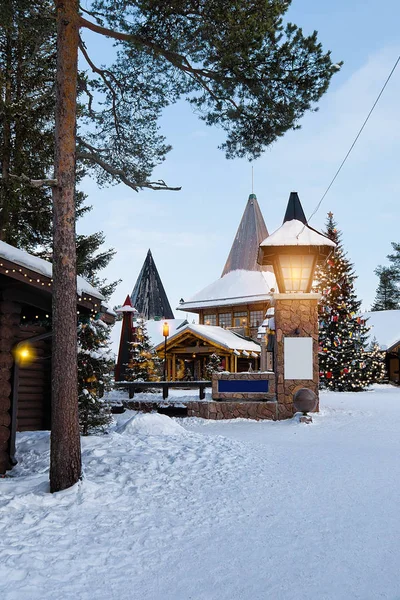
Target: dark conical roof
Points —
{"points": [[294, 209], [148, 296], [251, 232]]}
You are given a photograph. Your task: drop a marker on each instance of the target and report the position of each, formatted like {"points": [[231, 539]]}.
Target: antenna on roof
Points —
{"points": [[252, 180]]}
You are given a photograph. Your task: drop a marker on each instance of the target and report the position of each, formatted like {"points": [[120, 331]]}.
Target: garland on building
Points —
{"points": [[144, 364], [344, 365], [95, 367]]}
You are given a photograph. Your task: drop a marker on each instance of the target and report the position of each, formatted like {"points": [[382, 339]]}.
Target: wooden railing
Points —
{"points": [[133, 386]]}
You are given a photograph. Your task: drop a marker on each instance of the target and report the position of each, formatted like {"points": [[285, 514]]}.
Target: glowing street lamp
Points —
{"points": [[294, 250], [165, 332]]}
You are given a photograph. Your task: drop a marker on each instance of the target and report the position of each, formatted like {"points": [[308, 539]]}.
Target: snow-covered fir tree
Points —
{"points": [[95, 367], [342, 330], [213, 365], [144, 364]]}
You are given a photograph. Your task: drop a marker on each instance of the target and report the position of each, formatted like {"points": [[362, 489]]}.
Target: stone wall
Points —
{"points": [[270, 395], [294, 317], [9, 326], [234, 410], [211, 410]]}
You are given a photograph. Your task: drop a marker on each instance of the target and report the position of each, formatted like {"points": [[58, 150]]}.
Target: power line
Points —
{"points": [[356, 138]]}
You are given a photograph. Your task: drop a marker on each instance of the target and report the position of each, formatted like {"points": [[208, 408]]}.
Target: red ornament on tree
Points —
{"points": [[329, 374]]}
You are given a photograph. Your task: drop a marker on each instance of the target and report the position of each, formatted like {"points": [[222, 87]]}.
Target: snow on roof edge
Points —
{"points": [[43, 267]]}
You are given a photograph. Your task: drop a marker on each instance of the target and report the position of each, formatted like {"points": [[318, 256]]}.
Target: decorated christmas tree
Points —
{"points": [[213, 365], [95, 367], [375, 359], [144, 364], [343, 332]]}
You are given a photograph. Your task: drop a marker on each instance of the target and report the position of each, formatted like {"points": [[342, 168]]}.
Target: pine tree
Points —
{"points": [[213, 365], [95, 367], [342, 330], [144, 364], [395, 257], [27, 103], [388, 291]]}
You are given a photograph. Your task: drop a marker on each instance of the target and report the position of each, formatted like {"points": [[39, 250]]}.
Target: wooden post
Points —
{"points": [[173, 367]]}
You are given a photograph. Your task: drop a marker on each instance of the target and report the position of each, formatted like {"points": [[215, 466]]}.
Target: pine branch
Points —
{"points": [[106, 75], [153, 185], [36, 183], [177, 60]]}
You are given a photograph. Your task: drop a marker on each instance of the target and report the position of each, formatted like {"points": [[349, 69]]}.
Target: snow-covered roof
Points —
{"points": [[296, 233], [218, 335], [385, 327], [42, 267], [154, 329], [236, 287], [126, 308]]}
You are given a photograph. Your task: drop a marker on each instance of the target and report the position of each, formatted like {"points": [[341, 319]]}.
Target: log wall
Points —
{"points": [[9, 327], [34, 389]]}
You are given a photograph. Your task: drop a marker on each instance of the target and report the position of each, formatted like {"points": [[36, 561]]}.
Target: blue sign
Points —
{"points": [[245, 386]]}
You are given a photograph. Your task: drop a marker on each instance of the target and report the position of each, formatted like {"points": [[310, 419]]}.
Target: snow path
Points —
{"points": [[233, 510]]}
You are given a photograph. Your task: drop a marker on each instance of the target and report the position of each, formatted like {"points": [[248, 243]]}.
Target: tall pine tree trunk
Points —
{"points": [[6, 141], [65, 459]]}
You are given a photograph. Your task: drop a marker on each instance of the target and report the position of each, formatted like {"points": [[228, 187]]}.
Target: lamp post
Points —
{"points": [[294, 250], [165, 332]]}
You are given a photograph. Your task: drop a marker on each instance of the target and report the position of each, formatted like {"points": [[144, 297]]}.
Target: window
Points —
{"points": [[210, 319], [240, 319], [225, 319], [256, 318]]}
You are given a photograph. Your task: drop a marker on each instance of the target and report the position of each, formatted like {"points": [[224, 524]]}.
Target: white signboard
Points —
{"points": [[298, 358]]}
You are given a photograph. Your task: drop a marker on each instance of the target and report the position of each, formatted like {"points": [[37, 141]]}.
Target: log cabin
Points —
{"points": [[25, 309]]}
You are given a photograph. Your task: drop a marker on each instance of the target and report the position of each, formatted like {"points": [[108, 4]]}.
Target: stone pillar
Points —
{"points": [[296, 316], [9, 325]]}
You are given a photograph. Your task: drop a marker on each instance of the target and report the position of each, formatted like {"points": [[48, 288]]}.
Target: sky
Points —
{"points": [[190, 232]]}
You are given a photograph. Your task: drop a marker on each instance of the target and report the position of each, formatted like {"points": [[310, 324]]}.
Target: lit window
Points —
{"points": [[256, 318], [225, 319], [240, 319], [210, 319]]}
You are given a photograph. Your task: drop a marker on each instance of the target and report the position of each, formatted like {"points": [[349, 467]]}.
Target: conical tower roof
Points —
{"points": [[251, 232], [148, 296], [294, 209]]}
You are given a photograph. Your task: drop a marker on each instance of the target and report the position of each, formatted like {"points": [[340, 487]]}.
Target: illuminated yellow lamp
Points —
{"points": [[294, 250], [165, 329], [24, 354]]}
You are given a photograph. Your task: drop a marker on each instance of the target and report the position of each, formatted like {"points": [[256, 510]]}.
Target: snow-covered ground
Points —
{"points": [[213, 510]]}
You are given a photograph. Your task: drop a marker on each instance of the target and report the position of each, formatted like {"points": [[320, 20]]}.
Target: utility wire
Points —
{"points": [[355, 140]]}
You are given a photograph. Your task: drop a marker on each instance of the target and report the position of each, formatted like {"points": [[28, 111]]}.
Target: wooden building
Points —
{"points": [[190, 347], [238, 300], [25, 309]]}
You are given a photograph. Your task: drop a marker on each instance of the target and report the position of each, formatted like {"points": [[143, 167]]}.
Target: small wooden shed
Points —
{"points": [[25, 310]]}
